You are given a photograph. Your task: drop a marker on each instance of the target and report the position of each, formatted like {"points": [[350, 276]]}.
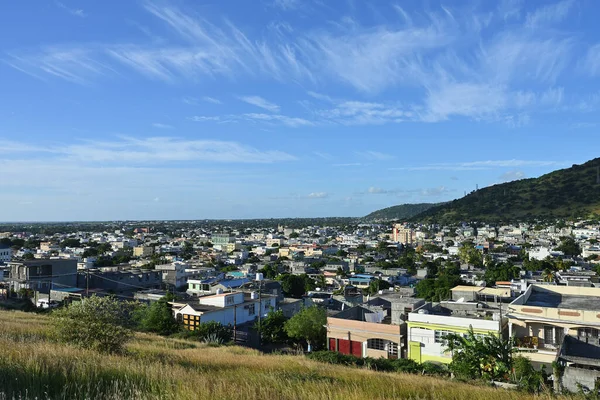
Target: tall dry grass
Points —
{"points": [[33, 366]]}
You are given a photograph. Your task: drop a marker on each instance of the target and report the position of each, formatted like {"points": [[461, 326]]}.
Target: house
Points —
{"points": [[580, 361], [428, 326], [482, 294], [396, 305], [542, 316], [43, 274], [364, 332], [233, 308]]}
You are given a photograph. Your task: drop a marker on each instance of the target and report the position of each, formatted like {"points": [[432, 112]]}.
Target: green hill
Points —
{"points": [[568, 193], [402, 211], [34, 366]]}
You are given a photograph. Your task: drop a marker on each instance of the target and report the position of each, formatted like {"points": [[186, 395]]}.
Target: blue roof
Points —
{"points": [[365, 276], [233, 283]]}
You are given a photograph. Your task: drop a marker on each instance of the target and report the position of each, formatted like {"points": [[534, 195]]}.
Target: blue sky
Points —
{"points": [[188, 109]]}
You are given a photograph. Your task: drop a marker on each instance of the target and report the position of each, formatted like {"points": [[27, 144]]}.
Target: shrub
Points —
{"points": [[99, 323], [209, 332], [158, 318]]}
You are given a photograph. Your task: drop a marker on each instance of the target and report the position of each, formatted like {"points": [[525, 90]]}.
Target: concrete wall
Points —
{"points": [[586, 377]]}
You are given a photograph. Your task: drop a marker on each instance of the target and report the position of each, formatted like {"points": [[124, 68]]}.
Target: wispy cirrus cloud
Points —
{"points": [[158, 125], [375, 155], [482, 165], [260, 102], [73, 11], [153, 150], [549, 14], [318, 195]]}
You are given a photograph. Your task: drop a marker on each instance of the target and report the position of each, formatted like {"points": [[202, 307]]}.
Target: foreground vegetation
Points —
{"points": [[33, 365]]}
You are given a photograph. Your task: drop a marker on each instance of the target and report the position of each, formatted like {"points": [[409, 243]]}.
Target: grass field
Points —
{"points": [[33, 366]]}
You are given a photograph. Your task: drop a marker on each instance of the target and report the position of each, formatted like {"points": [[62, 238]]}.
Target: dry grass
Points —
{"points": [[31, 366]]}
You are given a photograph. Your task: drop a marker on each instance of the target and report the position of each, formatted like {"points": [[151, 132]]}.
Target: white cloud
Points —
{"points": [[378, 190], [363, 113], [211, 100], [203, 118], [482, 165], [285, 120], [591, 61], [162, 126], [260, 102], [548, 14], [375, 155], [153, 150], [73, 11], [512, 176], [318, 195], [286, 4]]}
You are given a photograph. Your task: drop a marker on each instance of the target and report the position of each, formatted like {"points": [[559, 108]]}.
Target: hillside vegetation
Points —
{"points": [[567, 193], [32, 365], [402, 211]]}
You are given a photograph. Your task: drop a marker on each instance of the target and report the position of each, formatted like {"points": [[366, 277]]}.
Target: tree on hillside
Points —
{"points": [[158, 317], [99, 323], [309, 326], [468, 254], [271, 327]]}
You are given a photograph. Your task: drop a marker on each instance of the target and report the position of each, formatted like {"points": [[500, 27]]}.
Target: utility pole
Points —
{"points": [[87, 282], [259, 314]]}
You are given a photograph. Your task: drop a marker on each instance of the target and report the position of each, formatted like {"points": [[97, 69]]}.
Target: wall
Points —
{"points": [[585, 377]]}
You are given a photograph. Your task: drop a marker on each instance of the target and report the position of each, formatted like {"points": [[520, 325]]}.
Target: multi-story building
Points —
{"points": [[5, 253], [234, 308], [404, 235], [177, 273], [365, 332], [431, 323], [42, 275], [143, 251], [542, 316], [220, 240], [120, 281]]}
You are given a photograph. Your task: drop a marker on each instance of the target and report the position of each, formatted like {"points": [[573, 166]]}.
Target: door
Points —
{"points": [[332, 345], [356, 348], [343, 346], [415, 351]]}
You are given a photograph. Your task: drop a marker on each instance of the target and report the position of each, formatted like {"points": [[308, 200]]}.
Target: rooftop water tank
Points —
{"points": [[219, 291], [259, 276]]}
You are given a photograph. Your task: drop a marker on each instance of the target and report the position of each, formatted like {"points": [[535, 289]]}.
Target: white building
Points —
{"points": [[234, 308]]}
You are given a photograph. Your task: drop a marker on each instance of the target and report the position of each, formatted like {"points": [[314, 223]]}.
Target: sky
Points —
{"points": [[191, 109]]}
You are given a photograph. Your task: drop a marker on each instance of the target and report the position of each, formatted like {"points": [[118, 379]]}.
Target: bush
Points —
{"points": [[209, 332], [99, 323]]}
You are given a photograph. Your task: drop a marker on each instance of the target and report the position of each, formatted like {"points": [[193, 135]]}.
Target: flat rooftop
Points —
{"points": [[559, 300]]}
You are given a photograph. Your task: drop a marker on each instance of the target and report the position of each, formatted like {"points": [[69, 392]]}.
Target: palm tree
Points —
{"points": [[548, 275]]}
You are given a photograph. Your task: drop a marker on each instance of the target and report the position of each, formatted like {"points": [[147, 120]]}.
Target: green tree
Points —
{"points": [[270, 271], [271, 327], [99, 323], [28, 256], [308, 326], [158, 318], [294, 235], [569, 247], [480, 357], [468, 254], [293, 285], [378, 284]]}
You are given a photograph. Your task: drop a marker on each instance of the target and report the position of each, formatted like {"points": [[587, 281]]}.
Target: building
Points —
{"points": [[120, 281], [403, 235], [580, 362], [42, 275], [235, 308], [5, 253], [365, 332], [542, 316], [176, 274], [428, 326], [143, 251], [221, 240]]}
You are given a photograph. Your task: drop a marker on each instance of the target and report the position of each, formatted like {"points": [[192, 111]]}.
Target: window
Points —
{"points": [[587, 333], [229, 300], [377, 344], [251, 309], [441, 335]]}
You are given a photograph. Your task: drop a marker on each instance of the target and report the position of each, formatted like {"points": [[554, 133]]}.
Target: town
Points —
{"points": [[384, 290]]}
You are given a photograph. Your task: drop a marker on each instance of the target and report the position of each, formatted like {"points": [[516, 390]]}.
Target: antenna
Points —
{"points": [[598, 175], [477, 186]]}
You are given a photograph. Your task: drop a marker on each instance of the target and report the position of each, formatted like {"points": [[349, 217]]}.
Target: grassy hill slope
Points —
{"points": [[402, 211], [32, 365], [566, 193]]}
